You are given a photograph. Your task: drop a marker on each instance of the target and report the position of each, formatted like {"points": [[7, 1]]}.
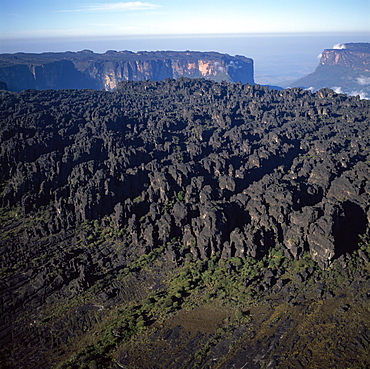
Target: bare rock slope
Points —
{"points": [[184, 223]]}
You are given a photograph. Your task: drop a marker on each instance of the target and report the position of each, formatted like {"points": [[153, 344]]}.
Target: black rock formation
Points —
{"points": [[230, 168], [105, 194]]}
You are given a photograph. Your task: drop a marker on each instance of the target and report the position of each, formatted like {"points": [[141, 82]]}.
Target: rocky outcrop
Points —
{"points": [[345, 68], [86, 69], [231, 169], [228, 188]]}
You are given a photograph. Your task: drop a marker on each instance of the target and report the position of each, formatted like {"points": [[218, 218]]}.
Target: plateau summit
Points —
{"points": [[345, 69], [86, 69]]}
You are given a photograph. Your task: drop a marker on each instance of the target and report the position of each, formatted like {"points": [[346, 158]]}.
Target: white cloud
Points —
{"points": [[123, 7], [337, 89], [362, 80], [339, 46], [363, 95], [116, 7]]}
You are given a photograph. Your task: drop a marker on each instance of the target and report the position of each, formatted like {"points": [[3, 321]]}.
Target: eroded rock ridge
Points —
{"points": [[95, 185], [235, 169]]}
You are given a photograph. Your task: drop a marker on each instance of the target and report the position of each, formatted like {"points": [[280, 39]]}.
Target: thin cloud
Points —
{"points": [[115, 7], [362, 80], [339, 46], [337, 89], [113, 27]]}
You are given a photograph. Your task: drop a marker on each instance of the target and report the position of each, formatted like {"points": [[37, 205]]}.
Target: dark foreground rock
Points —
{"points": [[120, 210]]}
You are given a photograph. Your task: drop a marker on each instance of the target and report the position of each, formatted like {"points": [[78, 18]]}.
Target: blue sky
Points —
{"points": [[21, 19]]}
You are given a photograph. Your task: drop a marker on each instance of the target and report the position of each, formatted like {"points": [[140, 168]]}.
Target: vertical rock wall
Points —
{"points": [[105, 71]]}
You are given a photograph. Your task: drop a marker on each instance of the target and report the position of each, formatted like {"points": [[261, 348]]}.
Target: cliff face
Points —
{"points": [[354, 56], [104, 71], [345, 69], [58, 75]]}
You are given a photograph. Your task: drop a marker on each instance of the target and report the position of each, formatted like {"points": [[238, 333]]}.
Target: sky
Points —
{"points": [[284, 37], [31, 19]]}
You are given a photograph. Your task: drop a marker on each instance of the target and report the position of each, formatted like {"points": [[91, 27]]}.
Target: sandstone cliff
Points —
{"points": [[86, 69], [354, 56], [345, 68]]}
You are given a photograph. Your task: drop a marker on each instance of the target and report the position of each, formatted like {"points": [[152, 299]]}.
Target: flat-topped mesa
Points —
{"points": [[353, 55], [345, 68], [86, 69]]}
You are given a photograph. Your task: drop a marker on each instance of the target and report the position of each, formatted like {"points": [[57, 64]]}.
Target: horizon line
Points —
{"points": [[184, 35]]}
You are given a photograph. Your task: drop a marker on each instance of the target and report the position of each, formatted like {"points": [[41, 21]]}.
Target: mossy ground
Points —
{"points": [[214, 313], [205, 309]]}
